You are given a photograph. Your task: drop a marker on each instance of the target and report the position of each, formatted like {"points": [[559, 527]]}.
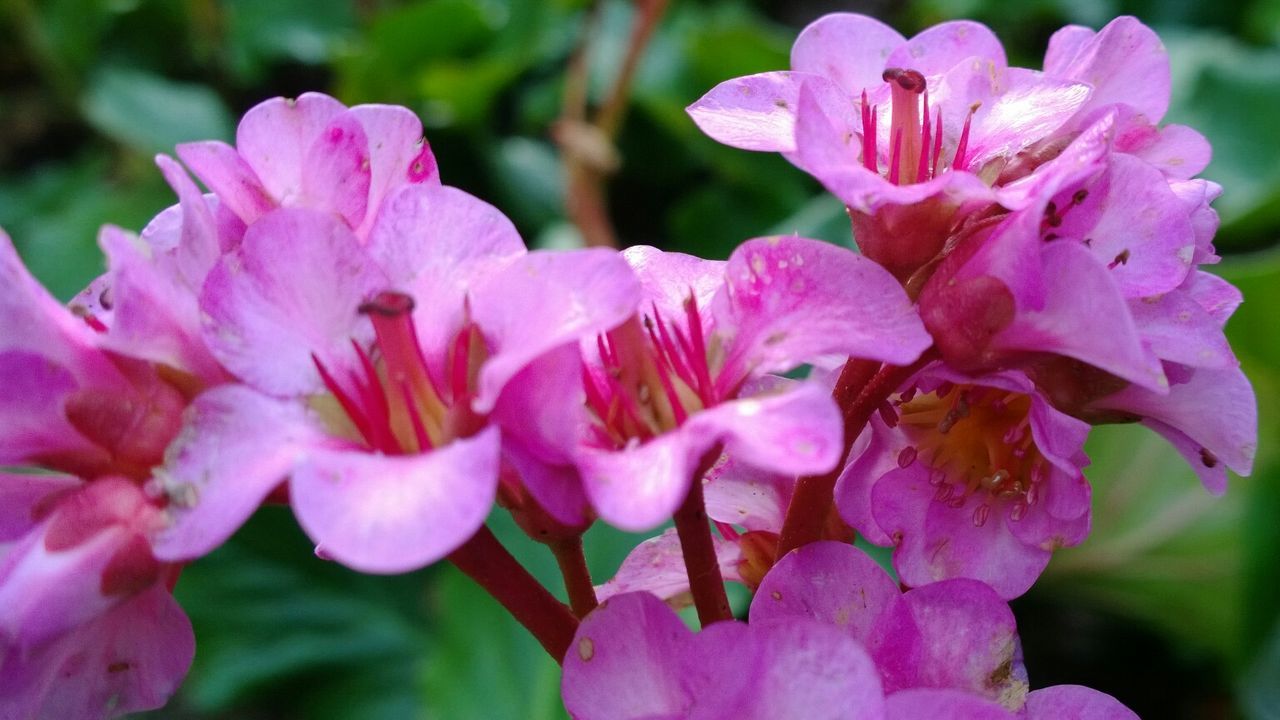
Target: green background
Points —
{"points": [[1172, 603]]}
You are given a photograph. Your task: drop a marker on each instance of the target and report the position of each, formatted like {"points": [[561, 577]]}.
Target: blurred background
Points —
{"points": [[1172, 605]]}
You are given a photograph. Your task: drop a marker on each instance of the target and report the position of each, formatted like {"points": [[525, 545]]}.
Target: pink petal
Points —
{"points": [[227, 175], [336, 170], [620, 665], [434, 242], [397, 145], [667, 279], [940, 704], [970, 641], [1218, 297], [847, 48], [637, 488], [839, 585], [757, 112], [237, 445], [879, 455], [792, 300], [156, 315], [1075, 702], [1217, 413], [739, 494], [543, 416], [1084, 317], [392, 514], [1178, 329], [32, 411], [1125, 63], [292, 289], [656, 566], [543, 300], [939, 542], [945, 45], [804, 670], [23, 499], [275, 135], [128, 659], [1028, 108]]}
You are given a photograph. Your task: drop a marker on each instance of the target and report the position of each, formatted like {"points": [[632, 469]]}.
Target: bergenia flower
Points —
{"points": [[955, 634], [674, 383], [90, 628], [830, 636], [314, 152], [370, 370], [912, 135], [970, 478]]}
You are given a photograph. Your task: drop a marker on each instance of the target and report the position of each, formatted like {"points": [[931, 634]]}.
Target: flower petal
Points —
{"points": [[236, 446], [128, 659], [1075, 702], [392, 514], [847, 48], [620, 666], [274, 137], [227, 175], [656, 566], [1125, 62], [757, 112], [970, 640], [941, 47], [336, 170], [22, 497], [33, 423], [292, 289], [942, 704], [543, 300], [792, 300]]}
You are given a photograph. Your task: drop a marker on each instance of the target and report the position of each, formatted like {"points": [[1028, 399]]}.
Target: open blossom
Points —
{"points": [[830, 636], [368, 372], [913, 135], [314, 152], [973, 477], [677, 380], [90, 629]]}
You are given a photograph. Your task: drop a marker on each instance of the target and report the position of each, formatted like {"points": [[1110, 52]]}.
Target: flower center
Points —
{"points": [[975, 440], [653, 374], [395, 401], [915, 143]]}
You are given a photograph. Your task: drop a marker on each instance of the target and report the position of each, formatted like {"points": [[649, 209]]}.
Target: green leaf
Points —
{"points": [[152, 114], [304, 31]]}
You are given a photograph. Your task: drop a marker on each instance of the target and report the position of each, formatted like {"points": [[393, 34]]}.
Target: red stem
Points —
{"points": [[811, 503], [486, 561], [577, 577], [700, 553]]}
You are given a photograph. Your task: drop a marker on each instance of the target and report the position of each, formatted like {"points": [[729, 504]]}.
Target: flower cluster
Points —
{"points": [[332, 328]]}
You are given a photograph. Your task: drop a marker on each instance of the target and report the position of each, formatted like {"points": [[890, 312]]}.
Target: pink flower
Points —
{"points": [[830, 636], [90, 629], [314, 152], [970, 477], [678, 380], [370, 370], [942, 125], [955, 635]]}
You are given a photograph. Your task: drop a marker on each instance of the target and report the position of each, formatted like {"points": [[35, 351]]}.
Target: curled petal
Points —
{"points": [[392, 514], [847, 48]]}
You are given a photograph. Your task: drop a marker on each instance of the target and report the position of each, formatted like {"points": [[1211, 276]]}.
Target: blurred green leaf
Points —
{"points": [[152, 114], [1231, 93], [1261, 691], [304, 31], [53, 214]]}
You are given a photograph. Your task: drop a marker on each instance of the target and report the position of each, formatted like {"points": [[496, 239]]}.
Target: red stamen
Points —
{"points": [[868, 135], [963, 147], [922, 172], [349, 406], [415, 419], [699, 358]]}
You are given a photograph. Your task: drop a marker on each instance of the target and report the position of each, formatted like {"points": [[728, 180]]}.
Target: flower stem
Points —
{"points": [[577, 577], [811, 503], [700, 553], [487, 562]]}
